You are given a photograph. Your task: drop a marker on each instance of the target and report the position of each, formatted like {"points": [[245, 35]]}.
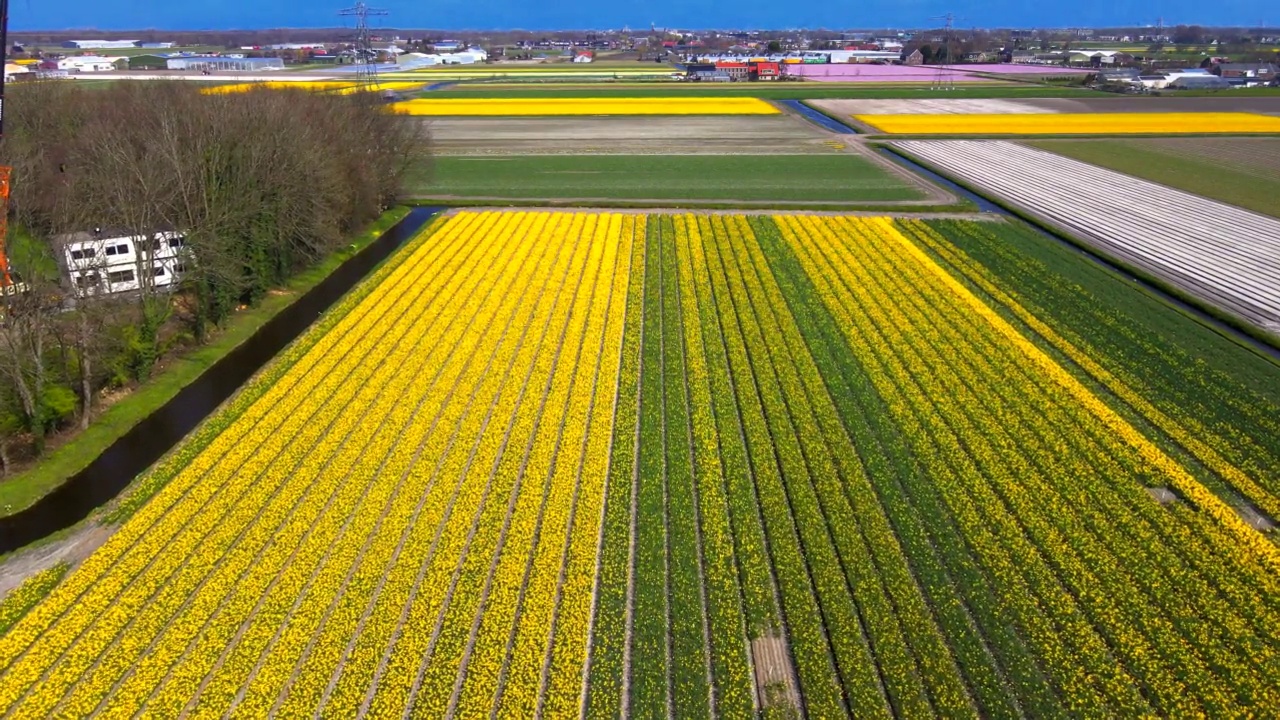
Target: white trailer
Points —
{"points": [[97, 265]]}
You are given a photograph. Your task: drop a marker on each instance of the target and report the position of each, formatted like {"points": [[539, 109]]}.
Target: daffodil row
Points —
{"points": [[211, 505], [1091, 534], [726, 621], [1188, 431], [22, 598], [1118, 598], [606, 658]]}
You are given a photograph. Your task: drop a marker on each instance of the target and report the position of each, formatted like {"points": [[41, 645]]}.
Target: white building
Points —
{"points": [[100, 44], [97, 265], [89, 63]]}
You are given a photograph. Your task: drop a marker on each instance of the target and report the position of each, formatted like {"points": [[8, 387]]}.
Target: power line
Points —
{"points": [[366, 60]]}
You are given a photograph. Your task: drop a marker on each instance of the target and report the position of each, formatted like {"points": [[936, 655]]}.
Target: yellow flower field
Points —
{"points": [[586, 106], [335, 87], [314, 85], [1074, 123], [608, 464]]}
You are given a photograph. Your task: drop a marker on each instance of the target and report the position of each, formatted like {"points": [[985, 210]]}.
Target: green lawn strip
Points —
{"points": [[988, 642], [731, 671], [836, 177], [759, 592], [688, 651], [1161, 164], [24, 488], [649, 671], [609, 633], [874, 560], [1206, 381], [764, 91], [19, 600], [827, 645]]}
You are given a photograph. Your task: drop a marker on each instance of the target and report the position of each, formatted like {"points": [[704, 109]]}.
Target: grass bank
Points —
{"points": [[24, 488]]}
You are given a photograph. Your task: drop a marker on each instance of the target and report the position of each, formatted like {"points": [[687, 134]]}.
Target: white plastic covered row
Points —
{"points": [[1225, 255]]}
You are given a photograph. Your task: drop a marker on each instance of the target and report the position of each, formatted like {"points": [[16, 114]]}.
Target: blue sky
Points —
{"points": [[600, 14]]}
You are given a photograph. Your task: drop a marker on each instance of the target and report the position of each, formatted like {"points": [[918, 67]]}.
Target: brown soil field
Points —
{"points": [[728, 135]]}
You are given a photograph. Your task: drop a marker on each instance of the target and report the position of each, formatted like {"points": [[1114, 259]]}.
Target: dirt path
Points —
{"points": [[72, 549]]}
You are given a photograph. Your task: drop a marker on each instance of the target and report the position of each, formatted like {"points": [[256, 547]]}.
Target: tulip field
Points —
{"points": [[548, 464]]}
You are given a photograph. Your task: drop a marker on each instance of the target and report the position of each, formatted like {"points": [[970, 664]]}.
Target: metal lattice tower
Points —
{"points": [[366, 57], [943, 79]]}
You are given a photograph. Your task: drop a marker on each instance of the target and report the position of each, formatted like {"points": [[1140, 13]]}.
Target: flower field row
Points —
{"points": [[1073, 123], [336, 87], [557, 464], [586, 106]]}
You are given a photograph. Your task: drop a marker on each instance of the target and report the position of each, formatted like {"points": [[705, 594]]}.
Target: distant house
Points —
{"points": [[1245, 73], [96, 265], [446, 46], [13, 71], [224, 64], [585, 56], [100, 44], [915, 58], [91, 63], [150, 61], [1198, 82]]}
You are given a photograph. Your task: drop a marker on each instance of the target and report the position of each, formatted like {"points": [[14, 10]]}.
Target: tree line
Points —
{"points": [[258, 185]]}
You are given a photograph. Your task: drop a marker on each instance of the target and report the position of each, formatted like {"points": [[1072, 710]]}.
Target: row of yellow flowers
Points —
{"points": [[182, 521], [1074, 123], [1200, 440], [585, 106], [132, 618], [934, 349]]}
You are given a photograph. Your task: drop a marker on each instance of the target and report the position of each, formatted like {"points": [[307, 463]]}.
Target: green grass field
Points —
{"points": [[1239, 171], [783, 178]]}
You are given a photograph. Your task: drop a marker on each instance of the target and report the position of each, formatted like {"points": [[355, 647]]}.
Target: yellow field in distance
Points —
{"points": [[587, 106], [1074, 123], [337, 87], [316, 85]]}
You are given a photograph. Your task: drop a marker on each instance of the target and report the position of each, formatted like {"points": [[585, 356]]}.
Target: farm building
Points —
{"points": [[584, 57], [99, 44], [12, 70], [150, 61], [223, 64], [1245, 73], [96, 265], [1198, 82], [88, 63]]}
